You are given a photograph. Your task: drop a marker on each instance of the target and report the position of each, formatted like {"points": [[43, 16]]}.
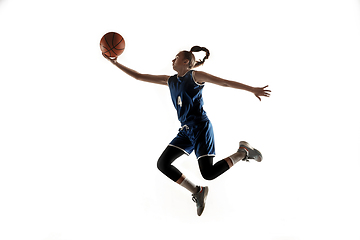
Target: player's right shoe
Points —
{"points": [[252, 153], [200, 198]]}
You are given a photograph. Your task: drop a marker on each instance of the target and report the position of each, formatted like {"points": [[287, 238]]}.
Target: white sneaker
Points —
{"points": [[252, 153]]}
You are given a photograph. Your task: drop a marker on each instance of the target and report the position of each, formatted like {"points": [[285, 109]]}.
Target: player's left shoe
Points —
{"points": [[200, 198], [252, 153]]}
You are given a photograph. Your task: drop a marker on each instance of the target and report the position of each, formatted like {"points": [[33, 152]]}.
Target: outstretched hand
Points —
{"points": [[261, 92], [112, 60]]}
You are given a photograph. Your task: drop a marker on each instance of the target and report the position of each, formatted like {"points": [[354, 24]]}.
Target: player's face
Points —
{"points": [[176, 61], [179, 61]]}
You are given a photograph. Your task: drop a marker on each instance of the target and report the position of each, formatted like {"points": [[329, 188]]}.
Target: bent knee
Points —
{"points": [[208, 176], [161, 165]]}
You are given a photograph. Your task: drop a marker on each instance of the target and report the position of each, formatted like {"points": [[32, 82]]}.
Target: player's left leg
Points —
{"points": [[211, 171], [205, 152]]}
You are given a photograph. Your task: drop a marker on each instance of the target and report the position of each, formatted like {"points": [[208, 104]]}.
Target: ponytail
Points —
{"points": [[198, 49], [190, 56]]}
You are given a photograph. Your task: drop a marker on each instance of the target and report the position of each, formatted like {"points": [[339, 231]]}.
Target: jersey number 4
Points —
{"points": [[179, 102]]}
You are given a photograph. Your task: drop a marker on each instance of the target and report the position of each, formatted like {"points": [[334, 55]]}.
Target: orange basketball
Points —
{"points": [[112, 44]]}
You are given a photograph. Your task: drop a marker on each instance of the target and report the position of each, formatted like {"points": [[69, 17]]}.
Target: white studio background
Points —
{"points": [[79, 139]]}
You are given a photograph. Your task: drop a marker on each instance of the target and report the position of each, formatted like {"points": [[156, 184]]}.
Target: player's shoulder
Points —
{"points": [[171, 78], [195, 79]]}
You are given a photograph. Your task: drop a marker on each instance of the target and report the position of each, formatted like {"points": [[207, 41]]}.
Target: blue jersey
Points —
{"points": [[186, 95]]}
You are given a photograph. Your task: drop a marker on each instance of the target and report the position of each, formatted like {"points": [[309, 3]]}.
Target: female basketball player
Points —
{"points": [[196, 132]]}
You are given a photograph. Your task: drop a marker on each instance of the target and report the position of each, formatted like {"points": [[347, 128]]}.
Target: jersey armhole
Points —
{"points": [[193, 77]]}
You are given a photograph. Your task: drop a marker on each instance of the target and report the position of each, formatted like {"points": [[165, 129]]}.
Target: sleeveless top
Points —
{"points": [[186, 95]]}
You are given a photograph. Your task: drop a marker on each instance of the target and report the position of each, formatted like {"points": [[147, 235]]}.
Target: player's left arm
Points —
{"points": [[202, 77]]}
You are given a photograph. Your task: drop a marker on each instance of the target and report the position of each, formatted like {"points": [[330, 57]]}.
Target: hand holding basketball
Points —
{"points": [[112, 60]]}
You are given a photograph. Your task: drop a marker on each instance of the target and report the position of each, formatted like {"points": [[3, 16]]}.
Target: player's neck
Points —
{"points": [[182, 73]]}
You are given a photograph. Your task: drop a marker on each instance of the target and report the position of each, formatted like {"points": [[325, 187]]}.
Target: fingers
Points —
{"points": [[266, 92], [263, 93], [113, 60]]}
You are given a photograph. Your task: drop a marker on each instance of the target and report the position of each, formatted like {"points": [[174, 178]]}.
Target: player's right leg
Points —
{"points": [[164, 164], [165, 161]]}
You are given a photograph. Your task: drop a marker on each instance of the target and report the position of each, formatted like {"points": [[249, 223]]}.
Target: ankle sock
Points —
{"points": [[238, 156], [186, 183]]}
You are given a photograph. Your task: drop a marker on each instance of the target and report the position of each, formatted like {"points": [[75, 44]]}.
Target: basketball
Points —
{"points": [[112, 44]]}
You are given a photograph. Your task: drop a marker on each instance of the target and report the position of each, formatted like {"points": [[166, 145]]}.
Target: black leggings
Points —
{"points": [[208, 170]]}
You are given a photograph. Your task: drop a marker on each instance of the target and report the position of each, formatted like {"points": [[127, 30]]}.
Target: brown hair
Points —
{"points": [[190, 56]]}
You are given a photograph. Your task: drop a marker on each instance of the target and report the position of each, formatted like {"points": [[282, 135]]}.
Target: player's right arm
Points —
{"points": [[158, 79]]}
